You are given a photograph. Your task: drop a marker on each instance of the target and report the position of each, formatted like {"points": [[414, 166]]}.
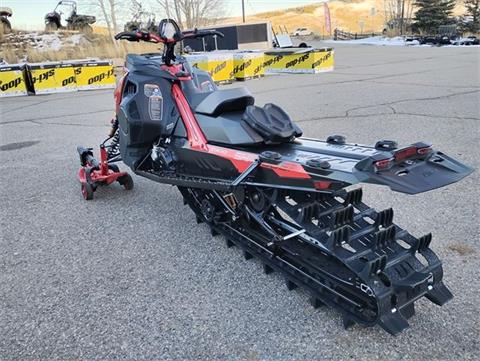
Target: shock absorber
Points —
{"points": [[114, 146]]}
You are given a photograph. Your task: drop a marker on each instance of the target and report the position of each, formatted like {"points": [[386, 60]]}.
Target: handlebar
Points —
{"points": [[153, 38], [133, 36]]}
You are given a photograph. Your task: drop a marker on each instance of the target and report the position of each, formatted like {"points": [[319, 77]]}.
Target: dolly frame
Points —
{"points": [[94, 173]]}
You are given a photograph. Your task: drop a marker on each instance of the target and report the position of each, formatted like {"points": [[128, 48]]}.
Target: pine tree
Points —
{"points": [[433, 13], [473, 12]]}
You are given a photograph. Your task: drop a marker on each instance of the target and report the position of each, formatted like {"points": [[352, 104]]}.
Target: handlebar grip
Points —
{"points": [[126, 35]]}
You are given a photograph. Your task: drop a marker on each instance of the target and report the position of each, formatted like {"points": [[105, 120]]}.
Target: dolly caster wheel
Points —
{"points": [[87, 191], [126, 181]]}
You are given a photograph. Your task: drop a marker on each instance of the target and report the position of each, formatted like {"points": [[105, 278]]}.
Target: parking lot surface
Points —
{"points": [[130, 275]]}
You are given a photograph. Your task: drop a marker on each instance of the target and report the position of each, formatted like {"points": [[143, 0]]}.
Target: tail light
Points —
{"points": [[405, 153], [383, 163], [411, 152], [424, 150], [321, 184], [402, 155]]}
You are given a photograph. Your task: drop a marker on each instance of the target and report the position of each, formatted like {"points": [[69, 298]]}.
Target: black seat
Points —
{"points": [[225, 100], [272, 123], [137, 61]]}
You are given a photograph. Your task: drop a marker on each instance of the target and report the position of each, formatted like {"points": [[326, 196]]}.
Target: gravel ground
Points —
{"points": [[130, 275]]}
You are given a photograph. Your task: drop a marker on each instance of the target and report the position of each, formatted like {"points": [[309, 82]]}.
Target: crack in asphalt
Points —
{"points": [[395, 111], [371, 79], [402, 61], [411, 100], [429, 85], [383, 113], [37, 120], [48, 101]]}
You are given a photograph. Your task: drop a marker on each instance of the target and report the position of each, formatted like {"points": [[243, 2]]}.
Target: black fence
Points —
{"points": [[344, 35]]}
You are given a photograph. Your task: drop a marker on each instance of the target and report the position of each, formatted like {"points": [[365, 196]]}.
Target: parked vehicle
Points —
{"points": [[249, 175], [302, 32], [5, 13], [143, 21], [74, 21]]}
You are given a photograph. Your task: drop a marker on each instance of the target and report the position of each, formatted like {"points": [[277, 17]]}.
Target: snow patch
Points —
{"points": [[374, 40], [397, 41], [45, 42]]}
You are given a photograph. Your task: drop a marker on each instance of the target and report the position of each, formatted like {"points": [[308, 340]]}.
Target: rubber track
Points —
{"points": [[349, 257]]}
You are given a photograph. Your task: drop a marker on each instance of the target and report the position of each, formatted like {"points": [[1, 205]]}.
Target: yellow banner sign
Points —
{"points": [[94, 75], [52, 78], [315, 61], [12, 80], [248, 65]]}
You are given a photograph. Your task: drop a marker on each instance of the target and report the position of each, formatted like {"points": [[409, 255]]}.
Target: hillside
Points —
{"points": [[346, 15]]}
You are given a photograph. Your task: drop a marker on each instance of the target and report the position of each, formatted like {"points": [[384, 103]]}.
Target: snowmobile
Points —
{"points": [[247, 173]]}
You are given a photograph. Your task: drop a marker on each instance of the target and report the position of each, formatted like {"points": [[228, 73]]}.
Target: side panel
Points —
{"points": [[147, 111]]}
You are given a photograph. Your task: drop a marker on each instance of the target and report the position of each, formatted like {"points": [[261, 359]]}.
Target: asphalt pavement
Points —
{"points": [[130, 275]]}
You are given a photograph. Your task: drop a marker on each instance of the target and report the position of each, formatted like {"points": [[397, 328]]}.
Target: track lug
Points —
{"points": [[423, 242], [229, 243], [347, 322], [354, 196], [408, 311], [290, 285], [374, 267], [247, 255], [394, 323], [309, 212], [316, 303], [342, 217], [338, 237], [267, 269], [384, 218], [214, 232], [384, 237], [440, 294], [198, 220]]}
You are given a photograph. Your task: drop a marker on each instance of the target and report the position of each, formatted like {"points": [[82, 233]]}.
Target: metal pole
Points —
{"points": [[243, 10], [403, 15]]}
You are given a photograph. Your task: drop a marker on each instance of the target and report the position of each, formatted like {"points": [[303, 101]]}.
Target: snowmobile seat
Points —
{"points": [[272, 123], [138, 61], [223, 101]]}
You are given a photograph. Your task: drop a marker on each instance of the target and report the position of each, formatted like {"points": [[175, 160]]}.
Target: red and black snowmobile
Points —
{"points": [[247, 172]]}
